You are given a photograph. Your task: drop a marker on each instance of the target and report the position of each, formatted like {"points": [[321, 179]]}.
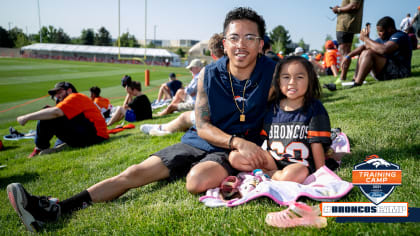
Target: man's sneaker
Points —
{"points": [[13, 134], [159, 132], [355, 85], [35, 152], [147, 127], [331, 87], [338, 81], [34, 211], [60, 147]]}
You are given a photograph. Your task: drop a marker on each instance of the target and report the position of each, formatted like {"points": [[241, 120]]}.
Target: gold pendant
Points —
{"points": [[242, 118]]}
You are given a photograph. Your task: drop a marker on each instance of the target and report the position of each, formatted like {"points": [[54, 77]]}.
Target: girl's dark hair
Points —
{"points": [[245, 13], [314, 89], [135, 85]]}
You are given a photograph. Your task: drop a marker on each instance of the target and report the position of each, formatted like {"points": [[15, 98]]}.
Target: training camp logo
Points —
{"points": [[377, 179]]}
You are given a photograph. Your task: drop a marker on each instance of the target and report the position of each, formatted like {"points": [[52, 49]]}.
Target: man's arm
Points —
{"points": [[205, 129], [347, 8], [346, 60], [191, 89], [215, 136], [388, 48], [44, 114]]}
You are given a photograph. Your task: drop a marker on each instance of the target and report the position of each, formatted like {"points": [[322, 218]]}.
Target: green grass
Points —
{"points": [[380, 118]]}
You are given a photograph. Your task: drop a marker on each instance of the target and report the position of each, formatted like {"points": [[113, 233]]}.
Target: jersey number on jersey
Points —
{"points": [[279, 152]]}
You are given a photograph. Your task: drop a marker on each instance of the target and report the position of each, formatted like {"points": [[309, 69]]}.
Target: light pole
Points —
{"points": [[145, 29], [154, 35], [39, 21]]}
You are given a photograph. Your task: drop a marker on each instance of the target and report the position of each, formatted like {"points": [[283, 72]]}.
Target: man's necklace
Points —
{"points": [[242, 116]]}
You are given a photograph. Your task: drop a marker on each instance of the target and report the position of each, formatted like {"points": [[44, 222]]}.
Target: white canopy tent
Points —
{"points": [[101, 53]]}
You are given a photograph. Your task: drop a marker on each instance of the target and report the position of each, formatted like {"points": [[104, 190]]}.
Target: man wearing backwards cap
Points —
{"points": [[75, 120]]}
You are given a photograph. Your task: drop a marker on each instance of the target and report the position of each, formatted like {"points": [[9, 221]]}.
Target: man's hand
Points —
{"points": [[335, 9], [254, 154], [364, 34], [22, 120]]}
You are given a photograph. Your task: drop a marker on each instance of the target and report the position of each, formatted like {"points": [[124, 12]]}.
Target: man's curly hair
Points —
{"points": [[245, 13]]}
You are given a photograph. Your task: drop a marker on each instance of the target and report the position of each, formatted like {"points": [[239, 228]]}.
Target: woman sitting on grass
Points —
{"points": [[133, 109]]}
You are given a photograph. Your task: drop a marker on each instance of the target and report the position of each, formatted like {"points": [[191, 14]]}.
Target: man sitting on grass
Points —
{"points": [[184, 99], [388, 57], [75, 120], [204, 149], [168, 90]]}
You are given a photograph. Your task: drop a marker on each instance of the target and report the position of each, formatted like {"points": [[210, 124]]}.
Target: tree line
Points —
{"points": [[16, 38]]}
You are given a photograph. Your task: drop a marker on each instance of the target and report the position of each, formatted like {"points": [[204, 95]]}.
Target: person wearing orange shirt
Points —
{"points": [[330, 62], [75, 120], [103, 103]]}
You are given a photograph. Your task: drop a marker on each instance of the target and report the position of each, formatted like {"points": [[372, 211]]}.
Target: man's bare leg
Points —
{"points": [[169, 109], [345, 49], [150, 170], [181, 123], [204, 176], [368, 61], [179, 96]]}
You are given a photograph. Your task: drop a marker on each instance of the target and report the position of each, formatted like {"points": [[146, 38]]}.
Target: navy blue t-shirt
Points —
{"points": [[224, 113], [292, 132], [173, 86], [402, 55]]}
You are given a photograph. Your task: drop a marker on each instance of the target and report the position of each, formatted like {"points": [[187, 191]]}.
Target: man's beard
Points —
{"points": [[60, 100]]}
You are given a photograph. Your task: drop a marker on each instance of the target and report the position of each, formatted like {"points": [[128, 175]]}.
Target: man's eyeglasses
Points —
{"points": [[247, 39]]}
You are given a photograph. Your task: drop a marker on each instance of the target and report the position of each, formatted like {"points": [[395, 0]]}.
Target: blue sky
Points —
{"points": [[188, 19]]}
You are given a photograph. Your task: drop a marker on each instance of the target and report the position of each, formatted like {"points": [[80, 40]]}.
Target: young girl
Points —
{"points": [[300, 126]]}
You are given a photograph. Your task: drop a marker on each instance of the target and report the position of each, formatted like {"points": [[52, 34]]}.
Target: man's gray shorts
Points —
{"points": [[180, 158]]}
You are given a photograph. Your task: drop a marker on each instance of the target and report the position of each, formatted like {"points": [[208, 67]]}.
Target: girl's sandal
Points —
{"points": [[298, 214]]}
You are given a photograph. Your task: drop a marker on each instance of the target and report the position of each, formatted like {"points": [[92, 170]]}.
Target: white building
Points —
{"points": [[101, 54]]}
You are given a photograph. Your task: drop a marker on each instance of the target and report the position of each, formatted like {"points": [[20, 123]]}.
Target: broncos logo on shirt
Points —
{"points": [[240, 99]]}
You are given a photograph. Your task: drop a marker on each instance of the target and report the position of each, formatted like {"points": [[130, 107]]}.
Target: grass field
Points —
{"points": [[380, 118]]}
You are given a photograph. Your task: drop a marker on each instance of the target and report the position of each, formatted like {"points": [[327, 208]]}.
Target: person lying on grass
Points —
{"points": [[229, 112]]}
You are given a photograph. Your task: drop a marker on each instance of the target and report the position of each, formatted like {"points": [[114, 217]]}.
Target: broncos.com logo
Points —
{"points": [[376, 178]]}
